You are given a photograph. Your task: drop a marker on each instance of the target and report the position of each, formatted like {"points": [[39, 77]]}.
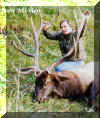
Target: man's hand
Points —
{"points": [[87, 13], [46, 26]]}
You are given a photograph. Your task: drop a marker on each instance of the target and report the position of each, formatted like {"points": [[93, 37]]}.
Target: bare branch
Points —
{"points": [[22, 51]]}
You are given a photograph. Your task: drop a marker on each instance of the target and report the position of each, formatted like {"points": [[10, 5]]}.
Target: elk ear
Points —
{"points": [[43, 74], [64, 75], [63, 78]]}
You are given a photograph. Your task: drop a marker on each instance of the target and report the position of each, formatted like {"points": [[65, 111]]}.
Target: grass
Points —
{"points": [[20, 87]]}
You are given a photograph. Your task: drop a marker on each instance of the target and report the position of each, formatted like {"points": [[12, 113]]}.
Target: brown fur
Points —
{"points": [[73, 83], [61, 84]]}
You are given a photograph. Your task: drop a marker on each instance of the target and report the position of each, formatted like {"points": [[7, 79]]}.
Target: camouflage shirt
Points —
{"points": [[65, 44]]}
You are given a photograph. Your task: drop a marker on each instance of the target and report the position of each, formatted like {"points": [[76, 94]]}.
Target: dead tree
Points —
{"points": [[81, 26]]}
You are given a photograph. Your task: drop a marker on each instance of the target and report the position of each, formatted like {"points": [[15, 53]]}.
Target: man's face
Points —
{"points": [[66, 28]]}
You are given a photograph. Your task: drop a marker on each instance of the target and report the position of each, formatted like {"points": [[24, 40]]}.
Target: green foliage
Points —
{"points": [[2, 64], [22, 86], [2, 75]]}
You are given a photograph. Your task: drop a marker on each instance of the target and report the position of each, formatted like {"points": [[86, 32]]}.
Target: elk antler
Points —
{"points": [[21, 50], [36, 34], [80, 31], [27, 70], [35, 67]]}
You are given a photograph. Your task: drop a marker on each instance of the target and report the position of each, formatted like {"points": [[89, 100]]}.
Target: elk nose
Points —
{"points": [[38, 99]]}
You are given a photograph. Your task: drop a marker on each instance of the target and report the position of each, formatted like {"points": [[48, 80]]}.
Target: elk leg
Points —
{"points": [[91, 96]]}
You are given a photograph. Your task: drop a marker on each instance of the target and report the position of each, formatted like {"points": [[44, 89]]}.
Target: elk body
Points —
{"points": [[76, 83]]}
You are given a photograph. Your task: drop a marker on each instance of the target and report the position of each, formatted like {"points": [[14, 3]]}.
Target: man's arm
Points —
{"points": [[50, 35]]}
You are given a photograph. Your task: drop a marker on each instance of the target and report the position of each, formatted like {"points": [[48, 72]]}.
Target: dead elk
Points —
{"points": [[76, 83]]}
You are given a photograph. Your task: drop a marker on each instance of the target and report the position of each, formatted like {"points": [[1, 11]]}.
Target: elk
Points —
{"points": [[62, 84]]}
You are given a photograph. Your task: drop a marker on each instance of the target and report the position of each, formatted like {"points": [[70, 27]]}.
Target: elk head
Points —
{"points": [[40, 85]]}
